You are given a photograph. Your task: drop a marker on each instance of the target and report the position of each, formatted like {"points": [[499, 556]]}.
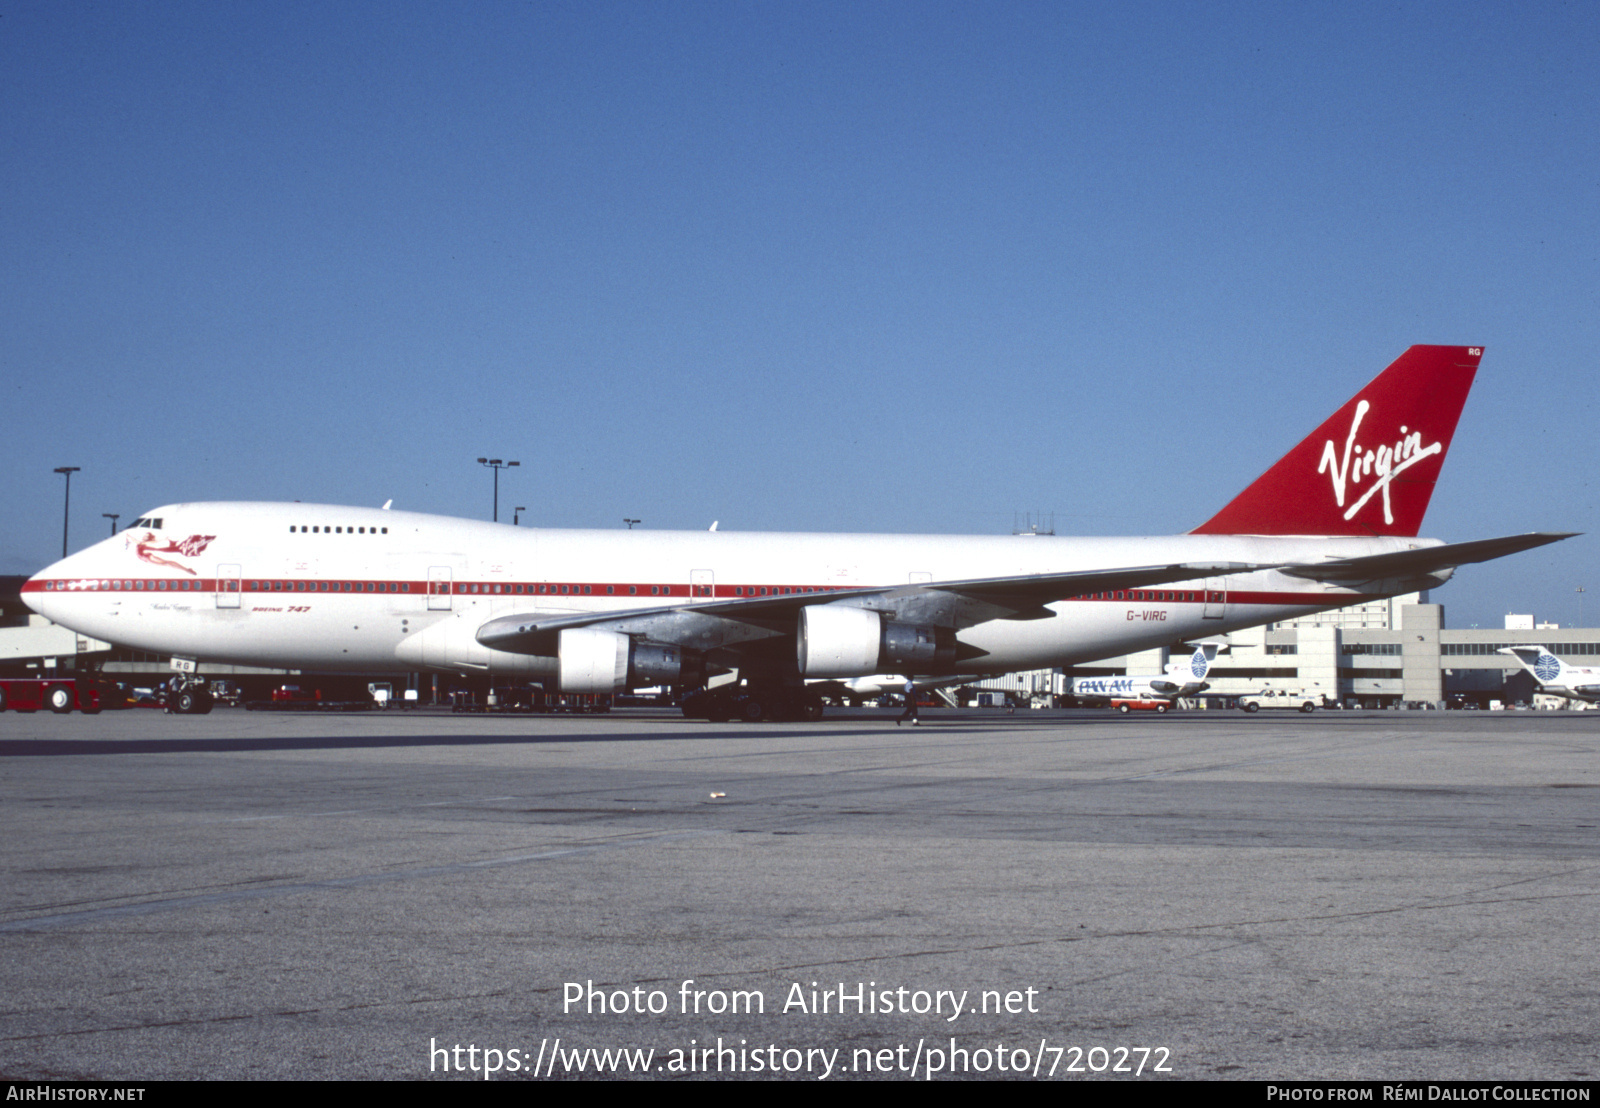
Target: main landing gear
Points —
{"points": [[752, 703]]}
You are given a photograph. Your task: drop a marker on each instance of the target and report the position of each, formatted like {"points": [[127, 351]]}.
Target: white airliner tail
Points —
{"points": [[1554, 675]]}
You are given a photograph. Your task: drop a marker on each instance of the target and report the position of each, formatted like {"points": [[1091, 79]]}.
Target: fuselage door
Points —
{"points": [[438, 588], [702, 583], [1216, 597], [227, 586]]}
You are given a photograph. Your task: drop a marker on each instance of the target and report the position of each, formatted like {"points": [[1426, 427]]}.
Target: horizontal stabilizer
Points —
{"points": [[1423, 561]]}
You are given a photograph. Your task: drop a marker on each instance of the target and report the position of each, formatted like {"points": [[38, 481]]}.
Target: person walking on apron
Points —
{"points": [[911, 705]]}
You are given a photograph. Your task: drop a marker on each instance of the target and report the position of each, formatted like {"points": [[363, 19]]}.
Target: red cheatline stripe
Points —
{"points": [[544, 589]]}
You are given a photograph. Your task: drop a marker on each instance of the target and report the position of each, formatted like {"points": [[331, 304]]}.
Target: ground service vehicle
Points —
{"points": [[59, 694], [1141, 704], [1280, 699]]}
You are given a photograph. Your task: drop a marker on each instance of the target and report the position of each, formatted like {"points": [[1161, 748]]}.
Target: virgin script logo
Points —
{"points": [[1383, 464], [150, 551]]}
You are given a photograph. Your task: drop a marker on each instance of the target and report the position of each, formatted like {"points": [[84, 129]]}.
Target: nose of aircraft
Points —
{"points": [[38, 590], [44, 590]]}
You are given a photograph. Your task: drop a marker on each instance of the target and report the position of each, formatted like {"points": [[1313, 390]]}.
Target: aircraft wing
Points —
{"points": [[1422, 562], [953, 604]]}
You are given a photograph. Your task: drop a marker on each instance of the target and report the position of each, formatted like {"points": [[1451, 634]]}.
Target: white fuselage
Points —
{"points": [[319, 587]]}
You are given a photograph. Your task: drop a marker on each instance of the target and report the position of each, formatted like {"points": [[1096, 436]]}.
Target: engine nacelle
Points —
{"points": [[597, 661], [837, 640]]}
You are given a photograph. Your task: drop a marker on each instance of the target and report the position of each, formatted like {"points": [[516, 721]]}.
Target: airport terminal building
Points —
{"points": [[1378, 655]]}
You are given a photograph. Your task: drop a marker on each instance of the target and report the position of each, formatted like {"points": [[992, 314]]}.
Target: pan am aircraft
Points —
{"points": [[339, 589], [1179, 680], [1555, 676]]}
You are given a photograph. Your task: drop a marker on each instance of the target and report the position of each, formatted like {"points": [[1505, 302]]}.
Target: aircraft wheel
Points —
{"points": [[811, 709], [58, 698], [1251, 707]]}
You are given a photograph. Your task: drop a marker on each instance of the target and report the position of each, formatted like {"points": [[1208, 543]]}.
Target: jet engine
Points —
{"points": [[837, 640], [597, 661]]}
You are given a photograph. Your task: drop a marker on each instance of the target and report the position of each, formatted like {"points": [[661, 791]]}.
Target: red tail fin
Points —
{"points": [[1370, 469]]}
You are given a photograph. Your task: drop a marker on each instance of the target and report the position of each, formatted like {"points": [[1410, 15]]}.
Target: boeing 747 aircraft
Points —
{"points": [[364, 590]]}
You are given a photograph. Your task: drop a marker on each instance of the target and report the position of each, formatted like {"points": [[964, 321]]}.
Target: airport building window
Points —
{"points": [[1570, 649]]}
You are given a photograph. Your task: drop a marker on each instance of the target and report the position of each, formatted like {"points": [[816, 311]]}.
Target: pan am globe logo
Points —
{"points": [[1384, 463], [1197, 664], [1548, 667]]}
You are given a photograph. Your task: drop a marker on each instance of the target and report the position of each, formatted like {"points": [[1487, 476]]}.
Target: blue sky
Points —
{"points": [[836, 267]]}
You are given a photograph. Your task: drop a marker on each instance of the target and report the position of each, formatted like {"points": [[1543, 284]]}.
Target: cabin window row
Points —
{"points": [[328, 586], [468, 588], [136, 585], [321, 529], [773, 590], [1149, 594]]}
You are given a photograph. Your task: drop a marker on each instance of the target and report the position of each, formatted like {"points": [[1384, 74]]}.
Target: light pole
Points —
{"points": [[630, 523], [497, 465], [66, 511], [113, 517], [516, 515]]}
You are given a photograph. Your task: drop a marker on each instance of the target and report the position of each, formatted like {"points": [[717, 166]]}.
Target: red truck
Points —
{"points": [[59, 694]]}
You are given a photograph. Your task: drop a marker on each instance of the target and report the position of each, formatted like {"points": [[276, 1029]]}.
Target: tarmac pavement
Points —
{"points": [[1345, 895]]}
